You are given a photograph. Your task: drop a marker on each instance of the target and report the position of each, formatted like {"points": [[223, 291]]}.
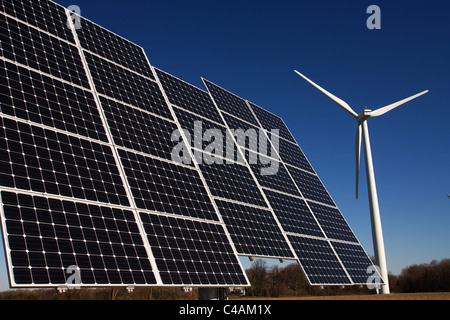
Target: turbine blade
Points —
{"points": [[388, 108], [340, 102], [358, 156]]}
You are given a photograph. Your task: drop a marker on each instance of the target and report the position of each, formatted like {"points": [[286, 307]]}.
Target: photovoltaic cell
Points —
{"points": [[254, 231], [41, 160], [45, 15], [232, 181], [293, 214], [35, 49], [192, 252], [43, 100], [113, 47], [126, 86], [230, 103], [269, 121], [319, 261], [311, 186], [138, 130], [357, 263], [188, 97], [166, 187], [47, 237]]}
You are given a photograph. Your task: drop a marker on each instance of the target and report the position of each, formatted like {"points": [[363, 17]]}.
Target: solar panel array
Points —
{"points": [[89, 182]]}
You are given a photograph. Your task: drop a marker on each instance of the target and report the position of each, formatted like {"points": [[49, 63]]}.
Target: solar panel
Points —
{"points": [[126, 86], [45, 15], [88, 178], [294, 214], [230, 103], [44, 100], [188, 97], [269, 121], [254, 230], [40, 51], [86, 164], [292, 155], [191, 252], [46, 236], [106, 44], [317, 258], [139, 130], [50, 162], [165, 187], [357, 263]]}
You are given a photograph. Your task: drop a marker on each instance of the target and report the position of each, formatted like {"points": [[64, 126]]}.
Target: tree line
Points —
{"points": [[289, 281]]}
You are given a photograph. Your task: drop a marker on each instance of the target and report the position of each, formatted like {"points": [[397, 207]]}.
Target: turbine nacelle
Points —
{"points": [[363, 116]]}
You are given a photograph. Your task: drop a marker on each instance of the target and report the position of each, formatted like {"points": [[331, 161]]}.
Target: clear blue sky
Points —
{"points": [[252, 47]]}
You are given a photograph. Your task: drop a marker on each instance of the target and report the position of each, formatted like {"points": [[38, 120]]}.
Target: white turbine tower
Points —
{"points": [[363, 130]]}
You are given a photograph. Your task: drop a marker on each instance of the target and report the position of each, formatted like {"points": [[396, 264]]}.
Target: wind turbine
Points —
{"points": [[363, 132]]}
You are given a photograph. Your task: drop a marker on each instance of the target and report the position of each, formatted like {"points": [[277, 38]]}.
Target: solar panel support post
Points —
{"points": [[212, 294], [377, 231]]}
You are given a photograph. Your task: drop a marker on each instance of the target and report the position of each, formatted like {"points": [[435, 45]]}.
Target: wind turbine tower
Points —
{"points": [[363, 134]]}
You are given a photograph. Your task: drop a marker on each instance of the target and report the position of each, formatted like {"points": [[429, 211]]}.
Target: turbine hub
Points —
{"points": [[363, 116]]}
